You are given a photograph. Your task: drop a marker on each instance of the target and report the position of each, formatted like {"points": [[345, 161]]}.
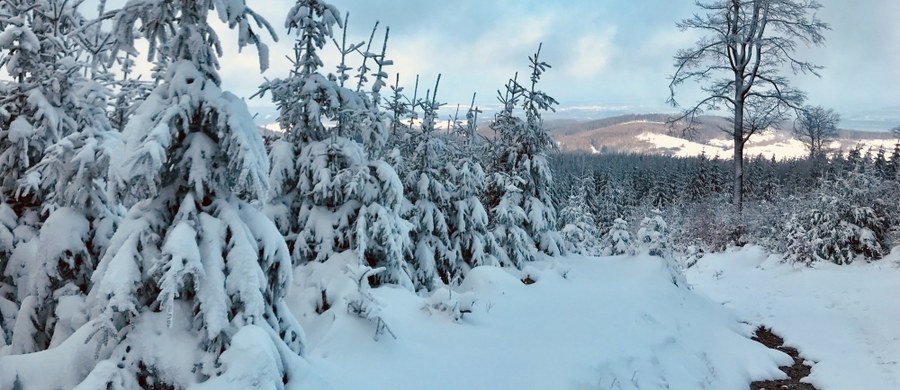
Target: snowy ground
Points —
{"points": [[589, 323], [846, 319], [610, 323]]}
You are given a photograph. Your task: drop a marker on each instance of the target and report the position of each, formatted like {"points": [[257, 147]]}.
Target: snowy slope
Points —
{"points": [[615, 323], [844, 319], [623, 135], [768, 144]]}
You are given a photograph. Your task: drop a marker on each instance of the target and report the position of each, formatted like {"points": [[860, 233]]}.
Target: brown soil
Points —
{"points": [[795, 373]]}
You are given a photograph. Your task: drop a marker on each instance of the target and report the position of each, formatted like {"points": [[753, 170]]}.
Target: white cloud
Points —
{"points": [[476, 45], [592, 54]]}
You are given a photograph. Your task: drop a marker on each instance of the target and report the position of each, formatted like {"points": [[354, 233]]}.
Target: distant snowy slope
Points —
{"points": [[678, 147], [769, 143], [649, 134], [609, 323]]}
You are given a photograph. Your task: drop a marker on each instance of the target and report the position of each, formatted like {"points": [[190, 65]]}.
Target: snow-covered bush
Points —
{"points": [[653, 236], [362, 303], [617, 240], [796, 243], [846, 220], [653, 239], [450, 303], [712, 224]]}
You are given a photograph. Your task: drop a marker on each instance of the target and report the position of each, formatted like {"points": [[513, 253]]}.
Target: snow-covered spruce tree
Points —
{"points": [[653, 236], [653, 239], [523, 213], [702, 180], [895, 160], [386, 238], [77, 217], [663, 189], [472, 244], [398, 107], [761, 175], [504, 195], [46, 99], [192, 262], [618, 240], [611, 201], [303, 99], [880, 164], [579, 225], [428, 190], [129, 90], [331, 199]]}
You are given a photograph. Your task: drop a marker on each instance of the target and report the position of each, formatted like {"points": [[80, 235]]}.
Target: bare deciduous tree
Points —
{"points": [[816, 127], [739, 63]]}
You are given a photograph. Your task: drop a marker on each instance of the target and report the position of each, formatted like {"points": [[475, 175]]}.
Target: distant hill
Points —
{"points": [[650, 134]]}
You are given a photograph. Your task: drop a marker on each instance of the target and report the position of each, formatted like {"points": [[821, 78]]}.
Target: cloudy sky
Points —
{"points": [[612, 53]]}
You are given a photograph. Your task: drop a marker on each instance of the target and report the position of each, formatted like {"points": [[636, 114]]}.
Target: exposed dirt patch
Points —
{"points": [[795, 372]]}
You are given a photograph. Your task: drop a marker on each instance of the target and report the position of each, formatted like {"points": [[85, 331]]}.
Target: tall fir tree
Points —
{"points": [[54, 268], [54, 148], [192, 259], [579, 224], [504, 195], [523, 212], [428, 189], [331, 194], [472, 244]]}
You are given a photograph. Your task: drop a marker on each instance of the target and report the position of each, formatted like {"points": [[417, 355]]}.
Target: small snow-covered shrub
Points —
{"points": [[653, 236], [846, 220], [618, 240], [362, 303], [798, 248], [454, 304]]}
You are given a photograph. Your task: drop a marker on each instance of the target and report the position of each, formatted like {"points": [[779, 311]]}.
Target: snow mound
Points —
{"points": [[584, 323], [55, 368]]}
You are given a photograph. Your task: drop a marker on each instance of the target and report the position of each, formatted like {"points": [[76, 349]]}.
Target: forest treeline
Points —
{"points": [[837, 209]]}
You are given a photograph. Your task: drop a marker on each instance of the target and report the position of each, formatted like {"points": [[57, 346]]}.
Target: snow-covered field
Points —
{"points": [[767, 143], [845, 320], [587, 323], [621, 323]]}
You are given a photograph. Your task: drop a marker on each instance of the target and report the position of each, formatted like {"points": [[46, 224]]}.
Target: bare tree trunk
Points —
{"points": [[738, 152]]}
